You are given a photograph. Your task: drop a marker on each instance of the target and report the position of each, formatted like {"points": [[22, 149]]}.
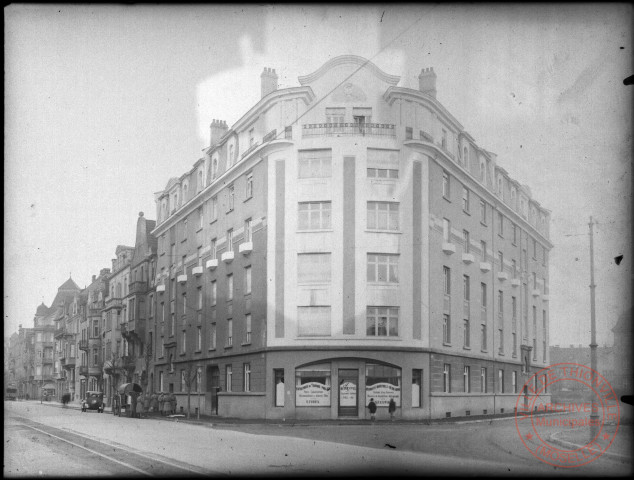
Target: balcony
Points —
{"points": [[60, 332], [160, 288], [503, 276], [468, 258], [112, 302], [197, 271], [95, 308], [515, 282], [485, 267], [83, 370], [536, 293], [138, 288], [83, 345], [212, 264], [448, 248], [181, 279], [426, 137], [348, 130], [227, 257], [245, 248], [68, 362]]}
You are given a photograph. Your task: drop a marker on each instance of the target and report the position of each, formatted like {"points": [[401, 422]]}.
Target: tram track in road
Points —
{"points": [[133, 461]]}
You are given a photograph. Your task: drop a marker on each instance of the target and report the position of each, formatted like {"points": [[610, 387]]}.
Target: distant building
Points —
{"points": [[622, 376], [580, 354], [348, 239]]}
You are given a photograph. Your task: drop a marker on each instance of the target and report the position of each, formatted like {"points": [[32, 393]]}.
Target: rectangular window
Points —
{"points": [[483, 248], [251, 137], [229, 333], [313, 321], [514, 381], [278, 374], [501, 261], [447, 279], [514, 339], [228, 378], [483, 294], [465, 199], [446, 378], [172, 254], [315, 164], [247, 230], [335, 116], [214, 248], [483, 212], [501, 340], [313, 268], [183, 381], [184, 342], [534, 320], [382, 322], [229, 246], [445, 185], [247, 280], [500, 224], [314, 216], [544, 351], [417, 387], [214, 208], [535, 349], [382, 173], [199, 305], [201, 218], [500, 380], [409, 133], [514, 234], [446, 328], [247, 377], [446, 230], [229, 287], [466, 379], [467, 333], [465, 241], [514, 309], [534, 249], [249, 186], [514, 268], [466, 287], [247, 319], [500, 303], [444, 139], [383, 216], [483, 380], [184, 303], [483, 337], [199, 339], [213, 293], [230, 198], [382, 268], [212, 336]]}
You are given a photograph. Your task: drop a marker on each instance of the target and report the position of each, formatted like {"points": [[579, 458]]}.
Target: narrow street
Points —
{"points": [[38, 436]]}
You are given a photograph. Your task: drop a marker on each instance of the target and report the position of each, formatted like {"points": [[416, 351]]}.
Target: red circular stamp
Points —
{"points": [[567, 415]]}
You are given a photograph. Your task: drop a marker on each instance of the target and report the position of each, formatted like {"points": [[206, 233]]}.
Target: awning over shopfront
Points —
{"points": [[129, 388], [48, 386]]}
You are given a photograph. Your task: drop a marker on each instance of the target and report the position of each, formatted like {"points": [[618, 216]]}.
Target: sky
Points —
{"points": [[103, 104]]}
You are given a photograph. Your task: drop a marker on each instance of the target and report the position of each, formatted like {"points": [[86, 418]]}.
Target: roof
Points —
{"points": [[42, 309], [69, 285]]}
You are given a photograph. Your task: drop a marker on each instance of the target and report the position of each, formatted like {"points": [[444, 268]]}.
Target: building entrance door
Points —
{"points": [[348, 392], [215, 386]]}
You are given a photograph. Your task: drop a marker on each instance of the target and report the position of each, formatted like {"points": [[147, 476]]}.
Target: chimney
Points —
{"points": [[217, 129], [94, 277], [427, 81], [104, 271], [269, 81]]}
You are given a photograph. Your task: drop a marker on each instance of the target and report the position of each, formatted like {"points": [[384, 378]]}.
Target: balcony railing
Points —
{"points": [[83, 345], [250, 149], [138, 287], [270, 136], [112, 302], [348, 130]]}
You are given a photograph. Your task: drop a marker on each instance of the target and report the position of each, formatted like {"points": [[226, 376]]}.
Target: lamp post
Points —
{"points": [[594, 415]]}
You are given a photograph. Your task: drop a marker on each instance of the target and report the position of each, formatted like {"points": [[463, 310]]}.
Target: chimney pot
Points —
{"points": [[427, 81], [216, 130], [268, 81]]}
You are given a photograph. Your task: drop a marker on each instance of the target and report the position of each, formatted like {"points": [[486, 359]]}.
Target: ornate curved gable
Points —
{"points": [[349, 60]]}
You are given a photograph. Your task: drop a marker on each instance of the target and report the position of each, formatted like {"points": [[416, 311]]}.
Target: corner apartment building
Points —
{"points": [[347, 239]]}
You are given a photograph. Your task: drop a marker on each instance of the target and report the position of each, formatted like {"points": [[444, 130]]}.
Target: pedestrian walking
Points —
{"points": [[133, 405], [391, 408], [161, 402], [146, 403], [167, 405], [173, 403], [372, 408], [154, 403]]}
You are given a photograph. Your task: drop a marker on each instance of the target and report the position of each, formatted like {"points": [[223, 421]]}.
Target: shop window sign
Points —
{"points": [[312, 388], [383, 383]]}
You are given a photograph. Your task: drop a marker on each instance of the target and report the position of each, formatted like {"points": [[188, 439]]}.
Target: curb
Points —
{"points": [[553, 437]]}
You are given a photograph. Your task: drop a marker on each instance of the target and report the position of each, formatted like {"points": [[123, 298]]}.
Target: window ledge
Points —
{"points": [[182, 354], [369, 230], [197, 351], [320, 230], [466, 348], [183, 240], [213, 221], [199, 229], [229, 211], [466, 211], [228, 347], [446, 198], [212, 349], [484, 351], [384, 285], [483, 223], [445, 344], [247, 199], [245, 344]]}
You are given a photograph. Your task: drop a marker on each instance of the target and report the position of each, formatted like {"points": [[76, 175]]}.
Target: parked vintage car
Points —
{"points": [[93, 401]]}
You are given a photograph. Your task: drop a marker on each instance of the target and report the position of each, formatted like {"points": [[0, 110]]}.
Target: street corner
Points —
{"points": [[572, 433]]}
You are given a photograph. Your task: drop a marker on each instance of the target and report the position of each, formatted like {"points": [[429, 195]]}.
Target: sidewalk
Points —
{"points": [[620, 449], [210, 420]]}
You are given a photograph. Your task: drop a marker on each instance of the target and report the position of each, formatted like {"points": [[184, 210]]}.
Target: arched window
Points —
{"points": [[118, 290], [214, 168], [482, 170]]}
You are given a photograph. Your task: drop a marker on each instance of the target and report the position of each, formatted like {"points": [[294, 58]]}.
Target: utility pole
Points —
{"points": [[594, 416]]}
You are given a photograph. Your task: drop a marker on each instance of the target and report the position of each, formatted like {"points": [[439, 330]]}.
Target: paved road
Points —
{"points": [[163, 446]]}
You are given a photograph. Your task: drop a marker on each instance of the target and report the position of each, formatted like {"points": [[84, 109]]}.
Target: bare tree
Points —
{"points": [[191, 380]]}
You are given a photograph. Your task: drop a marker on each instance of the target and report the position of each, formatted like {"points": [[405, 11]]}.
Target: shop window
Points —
{"points": [[312, 386], [383, 383], [417, 388], [278, 374]]}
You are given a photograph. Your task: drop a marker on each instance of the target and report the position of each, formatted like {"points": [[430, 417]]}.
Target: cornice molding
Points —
{"points": [[349, 60]]}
